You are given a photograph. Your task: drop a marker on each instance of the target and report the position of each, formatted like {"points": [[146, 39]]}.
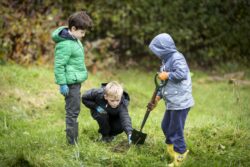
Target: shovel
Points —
{"points": [[138, 137]]}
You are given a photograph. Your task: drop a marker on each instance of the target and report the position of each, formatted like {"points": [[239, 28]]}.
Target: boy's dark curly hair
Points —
{"points": [[80, 20]]}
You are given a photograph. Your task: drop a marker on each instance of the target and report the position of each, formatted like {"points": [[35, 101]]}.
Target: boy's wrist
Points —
{"points": [[100, 109], [170, 76], [129, 133]]}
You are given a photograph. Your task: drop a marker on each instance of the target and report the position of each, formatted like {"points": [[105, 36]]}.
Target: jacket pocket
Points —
{"points": [[81, 76], [70, 77], [173, 95]]}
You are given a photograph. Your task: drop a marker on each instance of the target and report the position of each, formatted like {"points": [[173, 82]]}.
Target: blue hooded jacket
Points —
{"points": [[177, 93]]}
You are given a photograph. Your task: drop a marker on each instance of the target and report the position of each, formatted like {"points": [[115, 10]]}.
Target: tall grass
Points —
{"points": [[32, 123]]}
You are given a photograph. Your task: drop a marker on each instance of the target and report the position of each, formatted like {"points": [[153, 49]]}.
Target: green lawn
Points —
{"points": [[32, 123]]}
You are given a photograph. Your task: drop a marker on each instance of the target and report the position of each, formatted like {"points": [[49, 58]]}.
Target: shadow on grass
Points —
{"points": [[21, 162]]}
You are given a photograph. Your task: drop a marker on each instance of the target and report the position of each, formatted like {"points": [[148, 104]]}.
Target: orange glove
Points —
{"points": [[163, 75], [151, 106]]}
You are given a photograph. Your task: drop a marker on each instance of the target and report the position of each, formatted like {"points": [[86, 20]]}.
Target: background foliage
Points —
{"points": [[207, 32]]}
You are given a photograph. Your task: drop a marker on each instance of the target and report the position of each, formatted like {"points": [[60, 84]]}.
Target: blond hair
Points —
{"points": [[113, 89]]}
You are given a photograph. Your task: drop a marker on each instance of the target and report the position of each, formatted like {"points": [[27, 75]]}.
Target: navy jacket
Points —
{"points": [[95, 97]]}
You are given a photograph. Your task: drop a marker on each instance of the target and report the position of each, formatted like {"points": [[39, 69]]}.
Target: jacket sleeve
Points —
{"points": [[179, 69], [62, 55], [89, 98], [125, 119]]}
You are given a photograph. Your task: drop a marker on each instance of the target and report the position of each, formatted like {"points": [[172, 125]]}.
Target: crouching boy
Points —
{"points": [[109, 107]]}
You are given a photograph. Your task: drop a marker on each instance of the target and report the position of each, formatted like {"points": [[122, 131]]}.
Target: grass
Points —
{"points": [[32, 123]]}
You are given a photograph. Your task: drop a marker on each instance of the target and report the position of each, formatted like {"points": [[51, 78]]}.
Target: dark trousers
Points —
{"points": [[109, 125], [72, 105], [173, 128]]}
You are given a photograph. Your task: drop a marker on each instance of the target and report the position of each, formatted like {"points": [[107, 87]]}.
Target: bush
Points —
{"points": [[207, 32]]}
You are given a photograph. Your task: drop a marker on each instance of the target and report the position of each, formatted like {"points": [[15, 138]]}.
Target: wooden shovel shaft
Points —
{"points": [[148, 109]]}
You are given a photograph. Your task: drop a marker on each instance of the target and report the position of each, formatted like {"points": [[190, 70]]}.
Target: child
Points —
{"points": [[109, 107], [69, 68], [177, 94]]}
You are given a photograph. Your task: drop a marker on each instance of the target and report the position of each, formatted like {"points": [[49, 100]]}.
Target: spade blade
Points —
{"points": [[138, 137]]}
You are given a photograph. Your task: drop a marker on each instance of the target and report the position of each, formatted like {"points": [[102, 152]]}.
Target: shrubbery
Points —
{"points": [[207, 32]]}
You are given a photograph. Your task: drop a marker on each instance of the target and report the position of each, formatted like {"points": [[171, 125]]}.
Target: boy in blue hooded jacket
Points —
{"points": [[177, 94]]}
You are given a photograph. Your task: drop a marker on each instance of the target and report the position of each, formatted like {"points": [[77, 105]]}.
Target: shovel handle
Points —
{"points": [[157, 87], [159, 83], [154, 96], [148, 109]]}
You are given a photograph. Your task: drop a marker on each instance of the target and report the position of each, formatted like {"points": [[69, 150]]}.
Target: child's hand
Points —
{"points": [[100, 110], [64, 90], [129, 139], [151, 105], [163, 75]]}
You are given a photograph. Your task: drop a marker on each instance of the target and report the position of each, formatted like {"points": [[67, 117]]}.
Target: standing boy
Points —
{"points": [[69, 67], [177, 94], [109, 107]]}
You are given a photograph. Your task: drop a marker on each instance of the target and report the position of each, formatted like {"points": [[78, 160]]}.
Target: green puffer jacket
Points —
{"points": [[69, 66]]}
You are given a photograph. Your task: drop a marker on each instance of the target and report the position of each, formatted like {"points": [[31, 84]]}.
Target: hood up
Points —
{"points": [[162, 46]]}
